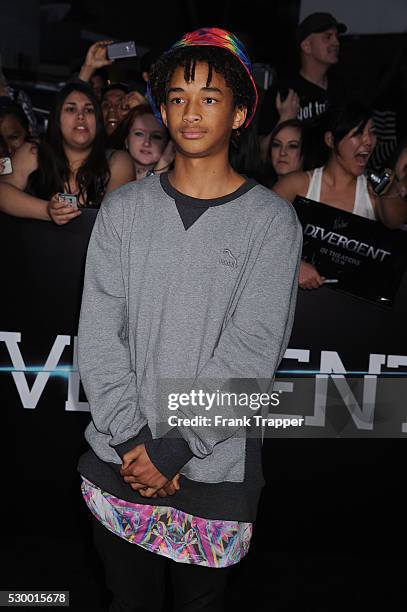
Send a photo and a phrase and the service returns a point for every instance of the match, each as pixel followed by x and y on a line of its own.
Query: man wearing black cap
pixel 305 94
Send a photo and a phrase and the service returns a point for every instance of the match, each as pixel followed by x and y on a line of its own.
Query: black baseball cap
pixel 119 85
pixel 318 22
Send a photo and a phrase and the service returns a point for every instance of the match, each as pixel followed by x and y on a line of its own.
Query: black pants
pixel 136 577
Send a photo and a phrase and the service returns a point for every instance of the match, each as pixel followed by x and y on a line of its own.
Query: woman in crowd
pixel 70 159
pixel 286 148
pixel 147 141
pixel 285 152
pixel 14 127
pixel 293 146
pixel 350 139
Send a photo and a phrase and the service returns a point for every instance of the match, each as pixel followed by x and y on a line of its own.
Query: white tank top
pixel 363 204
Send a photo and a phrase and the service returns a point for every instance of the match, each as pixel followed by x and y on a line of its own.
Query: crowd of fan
pixel 309 138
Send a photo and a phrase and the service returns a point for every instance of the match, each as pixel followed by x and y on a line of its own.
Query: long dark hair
pixel 341 119
pixel 53 167
pixel 14 109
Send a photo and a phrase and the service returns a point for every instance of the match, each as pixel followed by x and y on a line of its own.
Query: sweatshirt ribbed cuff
pixel 169 454
pixel 141 438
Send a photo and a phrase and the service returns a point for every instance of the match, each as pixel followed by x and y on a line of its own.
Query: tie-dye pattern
pixel 164 530
pixel 215 37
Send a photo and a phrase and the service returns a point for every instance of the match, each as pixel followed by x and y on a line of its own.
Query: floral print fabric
pixel 170 532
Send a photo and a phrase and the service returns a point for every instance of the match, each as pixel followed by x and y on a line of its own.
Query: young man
pixel 190 285
pixel 305 94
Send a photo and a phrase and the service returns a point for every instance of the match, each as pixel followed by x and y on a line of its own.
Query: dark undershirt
pixel 190 209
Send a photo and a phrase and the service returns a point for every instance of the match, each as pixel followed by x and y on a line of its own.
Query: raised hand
pixel 96 57
pixel 131 100
pixel 289 107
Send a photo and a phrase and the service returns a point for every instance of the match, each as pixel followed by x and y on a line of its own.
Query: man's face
pixel 323 46
pixel 200 118
pixel 112 109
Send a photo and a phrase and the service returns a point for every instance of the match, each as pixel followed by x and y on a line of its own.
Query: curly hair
pixel 219 60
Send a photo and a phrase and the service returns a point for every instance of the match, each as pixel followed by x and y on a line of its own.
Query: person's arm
pixel 13 200
pixel 121 170
pixel 133 99
pixel 309 277
pixel 96 57
pixel 250 347
pixel 286 109
pixel 391 206
pixel 104 359
pixel 291 185
pixel 254 340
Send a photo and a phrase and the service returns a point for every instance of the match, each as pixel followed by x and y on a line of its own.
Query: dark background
pixel 56 35
pixel 331 529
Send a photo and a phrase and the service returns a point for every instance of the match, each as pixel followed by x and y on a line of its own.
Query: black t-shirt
pixel 313 100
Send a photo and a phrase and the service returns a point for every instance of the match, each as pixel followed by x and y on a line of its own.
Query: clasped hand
pixel 141 474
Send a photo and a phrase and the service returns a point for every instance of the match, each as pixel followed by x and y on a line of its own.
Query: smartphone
pixel 121 50
pixel 68 199
pixel 6 164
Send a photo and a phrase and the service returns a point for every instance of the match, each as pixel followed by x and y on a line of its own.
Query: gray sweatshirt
pixel 169 307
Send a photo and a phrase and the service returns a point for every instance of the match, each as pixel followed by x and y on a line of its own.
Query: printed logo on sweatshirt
pixel 228 259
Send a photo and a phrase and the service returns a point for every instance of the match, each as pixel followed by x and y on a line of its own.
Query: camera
pixel 68 199
pixel 121 50
pixel 6 164
pixel 379 181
